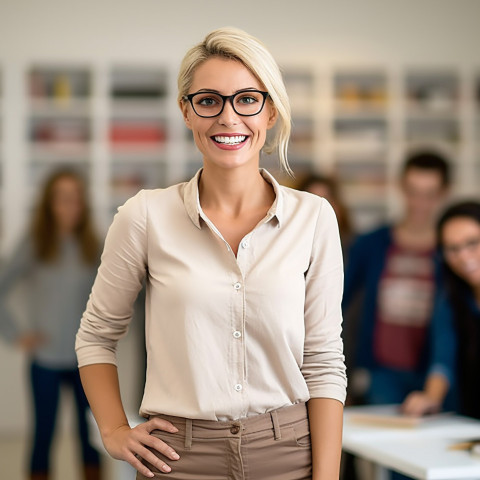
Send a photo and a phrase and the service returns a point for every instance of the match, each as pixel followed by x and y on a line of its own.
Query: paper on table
pixel 391 417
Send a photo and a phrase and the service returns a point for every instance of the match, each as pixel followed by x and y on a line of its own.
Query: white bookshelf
pixel 368 119
pixel 119 123
pixel 2 155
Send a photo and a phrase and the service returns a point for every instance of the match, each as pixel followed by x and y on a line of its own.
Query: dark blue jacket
pixel 366 262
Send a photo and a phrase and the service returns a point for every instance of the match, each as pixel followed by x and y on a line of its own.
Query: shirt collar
pixel 191 199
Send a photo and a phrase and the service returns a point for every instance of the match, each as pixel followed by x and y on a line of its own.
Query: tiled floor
pixel 66 465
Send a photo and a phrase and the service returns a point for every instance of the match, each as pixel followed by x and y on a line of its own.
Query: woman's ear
pixel 186 113
pixel 272 115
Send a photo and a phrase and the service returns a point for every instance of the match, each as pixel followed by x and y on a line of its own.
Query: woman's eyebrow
pixel 246 89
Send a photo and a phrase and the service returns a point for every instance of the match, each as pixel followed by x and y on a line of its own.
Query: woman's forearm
pixel 326 424
pixel 100 382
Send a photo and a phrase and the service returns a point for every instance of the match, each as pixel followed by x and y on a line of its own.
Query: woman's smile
pixel 230 141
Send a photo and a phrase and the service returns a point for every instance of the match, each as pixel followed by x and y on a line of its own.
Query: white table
pixel 420 452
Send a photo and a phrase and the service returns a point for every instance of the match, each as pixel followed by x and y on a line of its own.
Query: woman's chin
pixel 472 278
pixel 229 161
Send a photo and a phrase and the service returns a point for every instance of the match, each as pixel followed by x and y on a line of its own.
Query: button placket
pixel 237 326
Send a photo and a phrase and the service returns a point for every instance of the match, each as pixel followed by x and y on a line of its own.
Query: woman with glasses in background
pixel 245 374
pixel 58 262
pixel 456 316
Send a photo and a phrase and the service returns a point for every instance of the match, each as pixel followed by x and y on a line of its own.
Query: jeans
pixel 46 384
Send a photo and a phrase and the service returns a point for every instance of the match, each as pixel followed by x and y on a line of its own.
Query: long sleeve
pixel 443 338
pixel 323 364
pixel 119 279
pixel 16 267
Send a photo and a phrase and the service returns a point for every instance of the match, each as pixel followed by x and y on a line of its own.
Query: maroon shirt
pixel 404 306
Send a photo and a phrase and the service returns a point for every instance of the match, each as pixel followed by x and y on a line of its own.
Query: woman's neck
pixel 234 191
pixel 65 232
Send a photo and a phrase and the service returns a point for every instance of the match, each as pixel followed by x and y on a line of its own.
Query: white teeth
pixel 235 140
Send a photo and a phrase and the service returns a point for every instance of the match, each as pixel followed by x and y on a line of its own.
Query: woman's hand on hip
pixel 133 444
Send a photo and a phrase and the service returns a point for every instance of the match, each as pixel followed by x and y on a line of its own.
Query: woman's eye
pixel 207 101
pixel 247 100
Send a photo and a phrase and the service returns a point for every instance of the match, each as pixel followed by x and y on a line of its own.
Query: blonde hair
pixel 235 44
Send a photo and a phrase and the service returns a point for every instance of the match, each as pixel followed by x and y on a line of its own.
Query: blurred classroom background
pixel 93 85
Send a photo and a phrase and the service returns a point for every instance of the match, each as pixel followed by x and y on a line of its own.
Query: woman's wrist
pixel 108 432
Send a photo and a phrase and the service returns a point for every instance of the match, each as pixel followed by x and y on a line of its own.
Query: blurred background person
pixel 328 188
pixel 394 268
pixel 394 264
pixel 58 260
pixel 456 317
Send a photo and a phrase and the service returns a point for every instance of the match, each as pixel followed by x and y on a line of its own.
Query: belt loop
pixel 188 433
pixel 276 426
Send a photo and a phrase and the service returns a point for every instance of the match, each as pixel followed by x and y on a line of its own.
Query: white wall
pixel 443 31
pixel 375 32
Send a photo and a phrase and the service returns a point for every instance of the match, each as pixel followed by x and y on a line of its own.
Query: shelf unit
pixel 368 119
pixel 59 122
pixel 476 127
pixel 138 131
pixel 119 124
pixel 2 156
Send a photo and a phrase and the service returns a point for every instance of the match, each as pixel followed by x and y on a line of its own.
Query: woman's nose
pixel 228 117
pixel 464 255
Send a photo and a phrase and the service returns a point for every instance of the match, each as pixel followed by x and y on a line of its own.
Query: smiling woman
pixel 457 313
pixel 244 283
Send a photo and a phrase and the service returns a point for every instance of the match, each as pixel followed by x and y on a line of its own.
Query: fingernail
pixel 150 474
pixel 166 468
pixel 175 456
pixel 174 429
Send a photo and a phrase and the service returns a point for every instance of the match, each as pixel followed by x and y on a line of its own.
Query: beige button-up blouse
pixel 227 337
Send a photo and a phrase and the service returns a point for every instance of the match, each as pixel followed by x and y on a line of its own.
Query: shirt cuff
pixel 440 369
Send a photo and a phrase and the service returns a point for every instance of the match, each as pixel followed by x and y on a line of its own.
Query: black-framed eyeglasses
pixel 453 250
pixel 208 104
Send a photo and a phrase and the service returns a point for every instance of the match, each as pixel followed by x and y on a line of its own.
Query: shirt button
pixel 237 286
pixel 235 429
pixel 238 387
pixel 237 334
pixel 245 244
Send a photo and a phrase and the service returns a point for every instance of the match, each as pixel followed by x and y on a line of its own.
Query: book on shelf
pixel 137 133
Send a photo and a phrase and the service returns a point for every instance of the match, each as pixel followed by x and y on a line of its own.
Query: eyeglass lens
pixel 469 245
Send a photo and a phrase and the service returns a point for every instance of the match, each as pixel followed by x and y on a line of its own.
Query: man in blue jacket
pixel 395 268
